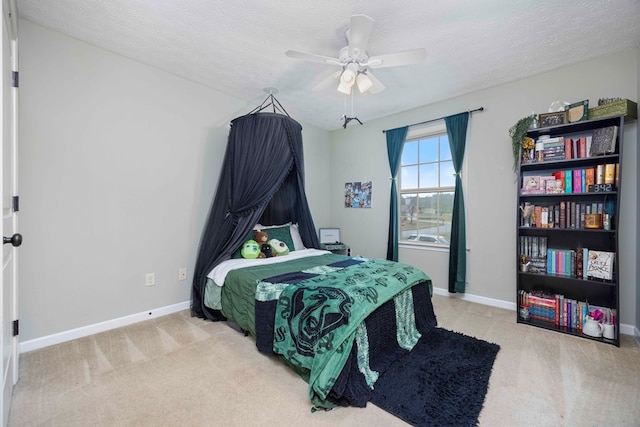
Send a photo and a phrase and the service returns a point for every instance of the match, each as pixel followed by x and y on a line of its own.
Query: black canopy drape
pixel 262 180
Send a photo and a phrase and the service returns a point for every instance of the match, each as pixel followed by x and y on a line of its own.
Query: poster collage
pixel 357 194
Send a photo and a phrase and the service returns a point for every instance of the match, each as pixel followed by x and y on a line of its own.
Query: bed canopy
pixel 262 181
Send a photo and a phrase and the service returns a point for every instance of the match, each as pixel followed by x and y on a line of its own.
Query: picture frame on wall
pixel 357 194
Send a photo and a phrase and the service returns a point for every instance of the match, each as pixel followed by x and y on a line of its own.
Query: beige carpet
pixel 182 371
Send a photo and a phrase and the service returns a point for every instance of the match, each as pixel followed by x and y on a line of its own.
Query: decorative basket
pixel 623 107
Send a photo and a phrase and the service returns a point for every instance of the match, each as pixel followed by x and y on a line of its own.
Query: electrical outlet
pixel 182 273
pixel 150 279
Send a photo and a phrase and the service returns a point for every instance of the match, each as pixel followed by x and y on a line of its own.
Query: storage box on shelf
pixel 624 107
pixel 568 216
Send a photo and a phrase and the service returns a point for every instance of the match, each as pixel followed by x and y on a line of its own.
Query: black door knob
pixel 15 240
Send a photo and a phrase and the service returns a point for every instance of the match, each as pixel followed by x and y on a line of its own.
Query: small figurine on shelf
pixel 527 213
pixel 527 149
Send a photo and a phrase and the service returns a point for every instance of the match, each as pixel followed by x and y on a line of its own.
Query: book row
pixel 568 214
pixel 561 311
pixel 601 141
pixel 581 263
pixel 603 177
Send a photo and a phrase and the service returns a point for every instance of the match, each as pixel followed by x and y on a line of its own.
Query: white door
pixel 8 227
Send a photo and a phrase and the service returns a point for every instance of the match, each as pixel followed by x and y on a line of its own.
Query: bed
pixel 338 321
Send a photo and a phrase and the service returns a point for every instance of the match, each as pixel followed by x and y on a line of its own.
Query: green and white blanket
pixel 313 318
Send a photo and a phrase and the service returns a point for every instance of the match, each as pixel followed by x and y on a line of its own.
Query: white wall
pixel 359 154
pixel 119 163
pixel 118 166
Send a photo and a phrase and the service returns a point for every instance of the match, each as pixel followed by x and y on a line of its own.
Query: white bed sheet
pixel 219 273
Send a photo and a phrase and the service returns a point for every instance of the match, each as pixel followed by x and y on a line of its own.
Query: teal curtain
pixel 395 142
pixel 457 132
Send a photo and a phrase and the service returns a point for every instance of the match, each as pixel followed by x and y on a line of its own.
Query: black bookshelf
pixel 568 237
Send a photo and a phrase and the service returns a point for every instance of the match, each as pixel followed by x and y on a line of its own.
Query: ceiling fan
pixel 355 61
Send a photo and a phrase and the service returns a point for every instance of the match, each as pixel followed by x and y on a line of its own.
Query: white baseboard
pixel 84 331
pixel 96 328
pixel 624 328
pixel 477 299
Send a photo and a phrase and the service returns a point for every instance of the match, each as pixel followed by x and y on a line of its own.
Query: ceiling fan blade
pixel 359 33
pixel 395 59
pixel 330 81
pixel 377 84
pixel 313 57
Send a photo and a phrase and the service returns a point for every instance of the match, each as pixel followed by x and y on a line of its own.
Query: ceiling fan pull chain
pixel 352 92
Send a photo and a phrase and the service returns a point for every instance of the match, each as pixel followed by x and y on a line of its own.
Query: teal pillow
pixel 237 253
pixel 281 233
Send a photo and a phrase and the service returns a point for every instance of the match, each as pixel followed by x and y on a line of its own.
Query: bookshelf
pixel 567 228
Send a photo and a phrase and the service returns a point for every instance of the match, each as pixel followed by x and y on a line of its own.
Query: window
pixel 427 185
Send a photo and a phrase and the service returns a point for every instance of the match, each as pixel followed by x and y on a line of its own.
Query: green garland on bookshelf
pixel 517 133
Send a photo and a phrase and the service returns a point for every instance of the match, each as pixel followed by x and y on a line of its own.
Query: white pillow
pixel 261 227
pixel 295 236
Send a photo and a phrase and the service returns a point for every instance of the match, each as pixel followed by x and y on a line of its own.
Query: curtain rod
pixel 435 120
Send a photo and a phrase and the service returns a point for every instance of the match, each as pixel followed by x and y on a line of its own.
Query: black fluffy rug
pixel 441 382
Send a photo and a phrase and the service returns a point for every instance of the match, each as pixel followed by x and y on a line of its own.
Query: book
pixel 600 264
pixel 609 173
pixel 590 177
pixel 600 174
pixel 568 179
pixel 579 265
pixel 552 140
pixel 577 181
pixel 568 148
pixel 563 214
pixel 559 176
pixel 531 185
pixel 604 141
pixel 582 147
pixel 553 186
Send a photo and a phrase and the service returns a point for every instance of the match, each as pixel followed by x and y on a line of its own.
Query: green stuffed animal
pixel 279 247
pixel 250 249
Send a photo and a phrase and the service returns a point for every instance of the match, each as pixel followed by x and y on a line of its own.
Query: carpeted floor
pixel 182 371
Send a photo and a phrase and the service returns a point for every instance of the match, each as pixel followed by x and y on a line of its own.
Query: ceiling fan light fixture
pixel 363 82
pixel 348 75
pixel 348 78
pixel 345 87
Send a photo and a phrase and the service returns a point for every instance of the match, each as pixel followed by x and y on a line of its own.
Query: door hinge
pixel 16 203
pixel 16 79
pixel 16 328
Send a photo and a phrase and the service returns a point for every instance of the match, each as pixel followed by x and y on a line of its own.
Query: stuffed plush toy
pixel 250 249
pixel 279 247
pixel 263 242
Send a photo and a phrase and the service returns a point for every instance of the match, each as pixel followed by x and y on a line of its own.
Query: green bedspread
pixel 316 308
pixel 318 319
pixel 238 293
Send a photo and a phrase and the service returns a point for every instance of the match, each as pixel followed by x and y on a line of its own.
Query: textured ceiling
pixel 237 47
